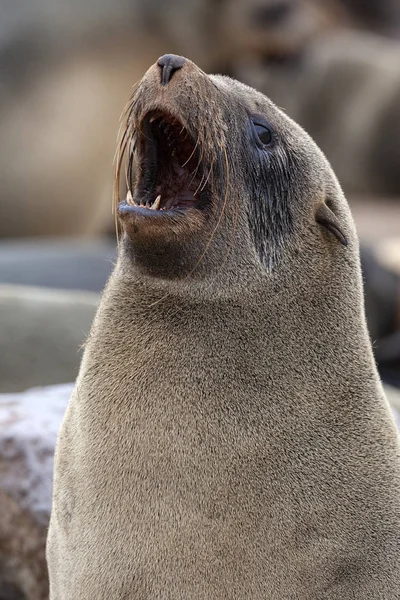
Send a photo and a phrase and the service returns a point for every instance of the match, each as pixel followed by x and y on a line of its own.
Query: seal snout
pixel 169 63
pixel 172 177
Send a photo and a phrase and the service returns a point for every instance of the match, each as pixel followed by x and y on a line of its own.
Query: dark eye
pixel 264 134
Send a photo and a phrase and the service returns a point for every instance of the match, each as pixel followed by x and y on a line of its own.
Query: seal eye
pixel 264 134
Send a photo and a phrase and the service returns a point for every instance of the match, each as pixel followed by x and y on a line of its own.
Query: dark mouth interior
pixel 170 169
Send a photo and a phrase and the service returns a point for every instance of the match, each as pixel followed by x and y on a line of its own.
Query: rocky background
pixel 66 71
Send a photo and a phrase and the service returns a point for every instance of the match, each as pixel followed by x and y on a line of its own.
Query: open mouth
pixel 170 169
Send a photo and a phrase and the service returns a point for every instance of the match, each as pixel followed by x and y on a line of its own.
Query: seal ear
pixel 325 217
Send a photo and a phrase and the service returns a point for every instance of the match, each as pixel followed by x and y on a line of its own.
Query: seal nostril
pixel 169 63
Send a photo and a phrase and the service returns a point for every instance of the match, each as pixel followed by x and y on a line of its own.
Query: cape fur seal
pixel 228 436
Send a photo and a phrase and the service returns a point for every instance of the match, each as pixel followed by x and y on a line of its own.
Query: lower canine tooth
pixel 157 203
pixel 129 198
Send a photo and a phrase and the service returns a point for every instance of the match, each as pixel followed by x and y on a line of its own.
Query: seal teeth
pixel 129 198
pixel 157 203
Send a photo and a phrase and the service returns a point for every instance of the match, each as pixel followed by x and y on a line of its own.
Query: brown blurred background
pixel 66 71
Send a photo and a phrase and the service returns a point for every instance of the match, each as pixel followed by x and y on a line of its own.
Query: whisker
pixel 203 185
pixel 197 168
pixel 220 215
pixel 194 150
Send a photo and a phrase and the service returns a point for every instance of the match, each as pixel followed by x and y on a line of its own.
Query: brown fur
pixel 228 436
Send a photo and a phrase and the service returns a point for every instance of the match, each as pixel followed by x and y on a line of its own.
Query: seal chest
pixel 228 436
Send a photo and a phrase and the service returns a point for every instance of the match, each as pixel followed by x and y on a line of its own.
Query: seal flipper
pixel 325 217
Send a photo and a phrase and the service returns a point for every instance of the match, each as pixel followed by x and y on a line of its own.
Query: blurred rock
pixel 376 218
pixel 393 395
pixel 382 297
pixel 58 263
pixel 41 335
pixel 29 423
pixel 388 252
pixel 382 304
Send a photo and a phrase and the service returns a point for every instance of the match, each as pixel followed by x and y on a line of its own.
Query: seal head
pixel 207 160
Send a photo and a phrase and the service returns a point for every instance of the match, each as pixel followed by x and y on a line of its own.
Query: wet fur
pixel 228 436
